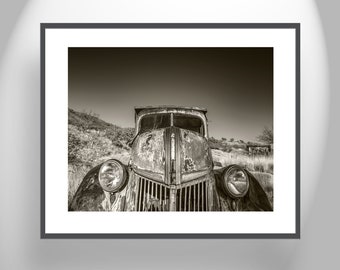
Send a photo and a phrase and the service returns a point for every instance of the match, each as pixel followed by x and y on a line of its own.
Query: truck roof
pixel 166 107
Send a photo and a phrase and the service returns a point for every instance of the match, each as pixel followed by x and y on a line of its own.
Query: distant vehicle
pixel 260 149
pixel 170 169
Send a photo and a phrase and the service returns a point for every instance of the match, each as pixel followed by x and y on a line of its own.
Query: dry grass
pixel 251 163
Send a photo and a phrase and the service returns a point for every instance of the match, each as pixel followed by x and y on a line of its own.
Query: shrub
pixel 266 136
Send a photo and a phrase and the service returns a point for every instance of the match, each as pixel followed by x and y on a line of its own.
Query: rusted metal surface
pixel 166 155
pixel 172 203
pixel 152 196
pixel 192 196
pixel 194 153
pixel 171 154
pixel 213 202
pixel 148 152
pixel 90 195
pixel 126 198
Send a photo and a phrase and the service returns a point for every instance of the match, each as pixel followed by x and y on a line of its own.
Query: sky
pixel 235 85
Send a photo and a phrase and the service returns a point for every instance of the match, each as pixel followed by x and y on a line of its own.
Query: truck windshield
pixel 155 121
pixel 163 120
pixel 189 122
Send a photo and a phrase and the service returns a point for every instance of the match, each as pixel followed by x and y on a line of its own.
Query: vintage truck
pixel 170 169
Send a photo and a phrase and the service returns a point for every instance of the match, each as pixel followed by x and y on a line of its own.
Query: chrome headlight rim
pixel 225 180
pixel 122 171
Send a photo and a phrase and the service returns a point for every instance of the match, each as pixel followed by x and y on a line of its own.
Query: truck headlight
pixel 235 181
pixel 112 175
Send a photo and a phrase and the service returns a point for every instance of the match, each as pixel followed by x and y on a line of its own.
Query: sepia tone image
pixel 170 129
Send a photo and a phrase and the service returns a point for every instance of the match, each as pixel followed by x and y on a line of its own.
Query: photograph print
pixel 170 129
pixel 167 130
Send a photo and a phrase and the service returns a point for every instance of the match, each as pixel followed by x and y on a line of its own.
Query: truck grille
pixel 153 196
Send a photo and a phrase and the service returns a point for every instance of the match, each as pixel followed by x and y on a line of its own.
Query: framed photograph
pixel 167 130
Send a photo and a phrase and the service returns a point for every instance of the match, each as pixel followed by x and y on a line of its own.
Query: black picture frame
pixel 295 26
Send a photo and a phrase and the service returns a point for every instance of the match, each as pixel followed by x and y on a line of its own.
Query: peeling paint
pixel 189 164
pixel 194 152
pixel 148 151
pixel 148 139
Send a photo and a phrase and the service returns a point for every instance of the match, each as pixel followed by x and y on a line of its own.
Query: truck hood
pixel 171 155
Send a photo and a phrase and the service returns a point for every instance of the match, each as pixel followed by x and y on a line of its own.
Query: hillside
pixel 90 139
